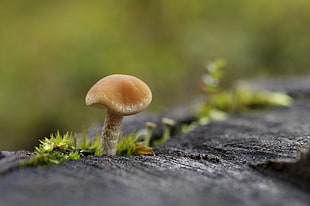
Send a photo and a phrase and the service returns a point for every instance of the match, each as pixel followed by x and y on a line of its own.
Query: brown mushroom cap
pixel 121 94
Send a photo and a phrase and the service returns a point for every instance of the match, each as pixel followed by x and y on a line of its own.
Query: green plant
pixel 218 102
pixel 237 99
pixel 85 144
pixel 137 143
pixel 60 148
pixel 133 145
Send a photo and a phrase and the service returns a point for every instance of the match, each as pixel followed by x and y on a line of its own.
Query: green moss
pixel 219 102
pixel 60 148
pixel 133 144
pixel 126 146
pixel 237 99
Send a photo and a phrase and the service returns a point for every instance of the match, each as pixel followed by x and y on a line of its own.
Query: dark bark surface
pixel 256 158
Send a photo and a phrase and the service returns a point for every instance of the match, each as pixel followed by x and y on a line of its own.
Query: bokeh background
pixel 52 52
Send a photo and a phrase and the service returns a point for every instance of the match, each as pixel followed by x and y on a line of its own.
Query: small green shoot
pixel 55 141
pixel 86 144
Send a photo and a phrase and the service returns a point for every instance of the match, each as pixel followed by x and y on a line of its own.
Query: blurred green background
pixel 52 52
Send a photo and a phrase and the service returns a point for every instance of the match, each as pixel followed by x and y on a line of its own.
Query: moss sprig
pixel 133 144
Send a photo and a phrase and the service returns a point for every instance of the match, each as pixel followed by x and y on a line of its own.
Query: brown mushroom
pixel 121 95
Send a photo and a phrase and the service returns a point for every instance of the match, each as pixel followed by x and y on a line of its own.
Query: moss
pixel 219 101
pixel 59 148
pixel 133 144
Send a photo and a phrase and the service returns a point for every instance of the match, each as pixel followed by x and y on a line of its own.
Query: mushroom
pixel 121 95
pixel 167 124
pixel 150 126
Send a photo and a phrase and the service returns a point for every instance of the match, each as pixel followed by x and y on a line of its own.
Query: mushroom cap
pixel 120 94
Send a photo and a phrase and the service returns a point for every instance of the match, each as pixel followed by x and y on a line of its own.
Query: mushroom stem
pixel 111 132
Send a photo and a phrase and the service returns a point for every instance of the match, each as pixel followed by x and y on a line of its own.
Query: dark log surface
pixel 248 159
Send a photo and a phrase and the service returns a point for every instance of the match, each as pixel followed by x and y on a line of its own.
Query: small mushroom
pixel 167 124
pixel 121 95
pixel 150 126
